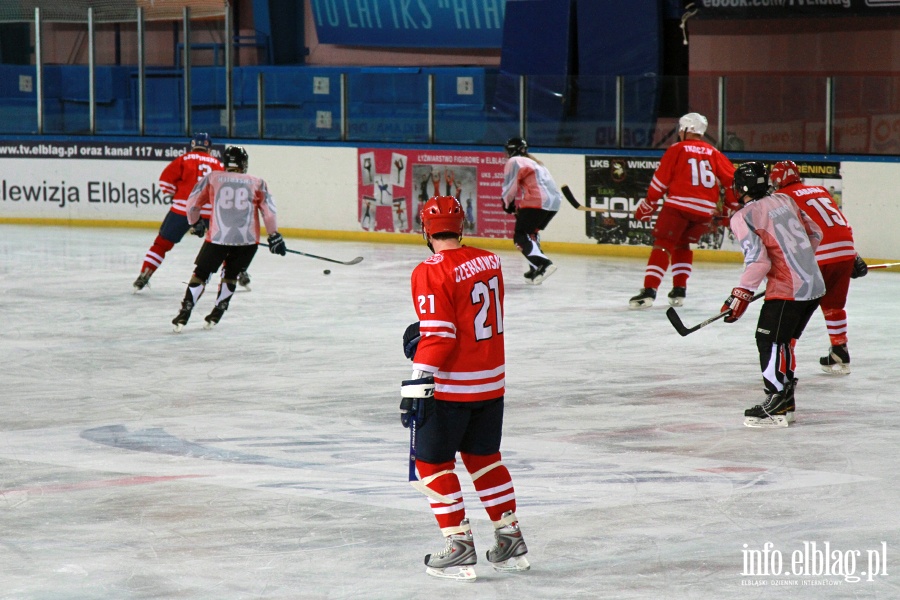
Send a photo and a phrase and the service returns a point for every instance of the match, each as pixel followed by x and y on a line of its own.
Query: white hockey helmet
pixel 693 123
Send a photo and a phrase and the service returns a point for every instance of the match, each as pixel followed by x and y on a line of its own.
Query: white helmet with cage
pixel 693 123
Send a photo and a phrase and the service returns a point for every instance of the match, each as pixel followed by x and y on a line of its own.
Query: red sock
pixel 682 261
pixel 492 482
pixel 157 253
pixel 656 268
pixel 836 323
pixel 447 484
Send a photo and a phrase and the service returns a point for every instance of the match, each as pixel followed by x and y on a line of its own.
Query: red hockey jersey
pixel 458 297
pixel 689 175
pixel 182 174
pixel 815 201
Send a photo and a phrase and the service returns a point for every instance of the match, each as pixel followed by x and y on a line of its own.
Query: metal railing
pixel 472 106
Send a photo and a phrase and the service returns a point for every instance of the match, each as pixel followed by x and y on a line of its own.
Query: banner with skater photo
pixel 395 184
pixel 615 185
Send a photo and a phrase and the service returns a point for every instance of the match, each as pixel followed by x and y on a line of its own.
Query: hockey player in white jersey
pixel 779 243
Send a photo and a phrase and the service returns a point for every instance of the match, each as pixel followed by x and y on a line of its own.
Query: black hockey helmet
pixel 236 159
pixel 751 179
pixel 516 146
pixel 201 141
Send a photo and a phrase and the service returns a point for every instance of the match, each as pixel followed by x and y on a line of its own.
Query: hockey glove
pixel 411 339
pixel 412 393
pixel 644 210
pixel 200 227
pixel 737 303
pixel 509 209
pixel 860 268
pixel 276 244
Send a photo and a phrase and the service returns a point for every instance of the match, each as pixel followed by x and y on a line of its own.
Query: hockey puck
pixel 327 272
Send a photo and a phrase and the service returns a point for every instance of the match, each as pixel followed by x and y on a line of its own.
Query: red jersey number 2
pixel 482 295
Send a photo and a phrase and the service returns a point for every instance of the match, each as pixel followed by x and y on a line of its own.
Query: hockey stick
pixel 421 486
pixel 885 266
pixel 675 320
pixel 356 260
pixel 574 202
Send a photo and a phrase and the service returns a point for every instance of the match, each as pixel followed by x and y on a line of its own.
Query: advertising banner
pixel 781 9
pixel 86 180
pixel 616 185
pixel 407 24
pixel 395 184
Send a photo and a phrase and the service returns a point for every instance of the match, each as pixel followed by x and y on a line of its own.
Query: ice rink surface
pixel 265 458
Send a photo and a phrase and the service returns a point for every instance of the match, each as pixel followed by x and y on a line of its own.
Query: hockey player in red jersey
pixel 178 180
pixel 234 202
pixel 456 392
pixel 836 256
pixel 689 176
pixel 779 243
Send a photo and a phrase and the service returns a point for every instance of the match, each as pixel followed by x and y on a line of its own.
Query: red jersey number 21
pixel 482 294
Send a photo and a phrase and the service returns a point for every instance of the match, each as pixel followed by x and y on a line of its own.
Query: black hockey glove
pixel 413 393
pixel 411 339
pixel 200 227
pixel 276 244
pixel 509 209
pixel 860 268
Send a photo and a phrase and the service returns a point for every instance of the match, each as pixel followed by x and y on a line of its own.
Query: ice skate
pixel 774 412
pixel 789 399
pixel 142 281
pixel 243 279
pixel 542 273
pixel 456 560
pixel 529 275
pixel 183 315
pixel 508 553
pixel 676 296
pixel 213 318
pixel 644 299
pixel 837 362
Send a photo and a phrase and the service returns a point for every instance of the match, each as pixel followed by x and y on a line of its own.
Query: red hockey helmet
pixel 442 214
pixel 785 173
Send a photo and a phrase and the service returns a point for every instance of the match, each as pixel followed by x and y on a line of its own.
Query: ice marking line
pixel 102 483
pixel 734 470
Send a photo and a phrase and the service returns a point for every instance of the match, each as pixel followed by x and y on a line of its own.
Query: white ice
pixel 265 458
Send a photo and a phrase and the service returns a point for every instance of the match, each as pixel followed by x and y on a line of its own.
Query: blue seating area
pixel 299 103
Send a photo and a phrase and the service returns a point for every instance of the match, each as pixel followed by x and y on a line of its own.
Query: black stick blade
pixel 676 322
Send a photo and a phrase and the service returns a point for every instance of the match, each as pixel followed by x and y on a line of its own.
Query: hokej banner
pixel 410 23
pixel 779 9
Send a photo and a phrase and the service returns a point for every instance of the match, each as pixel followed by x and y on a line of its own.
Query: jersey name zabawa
pixel 815 201
pixel 458 297
pixel 182 174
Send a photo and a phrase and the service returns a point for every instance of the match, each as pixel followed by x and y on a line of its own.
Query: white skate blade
pixel 676 302
pixel 466 573
pixel 513 565
pixel 836 369
pixel 550 271
pixel 178 328
pixel 769 422
pixel 209 325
